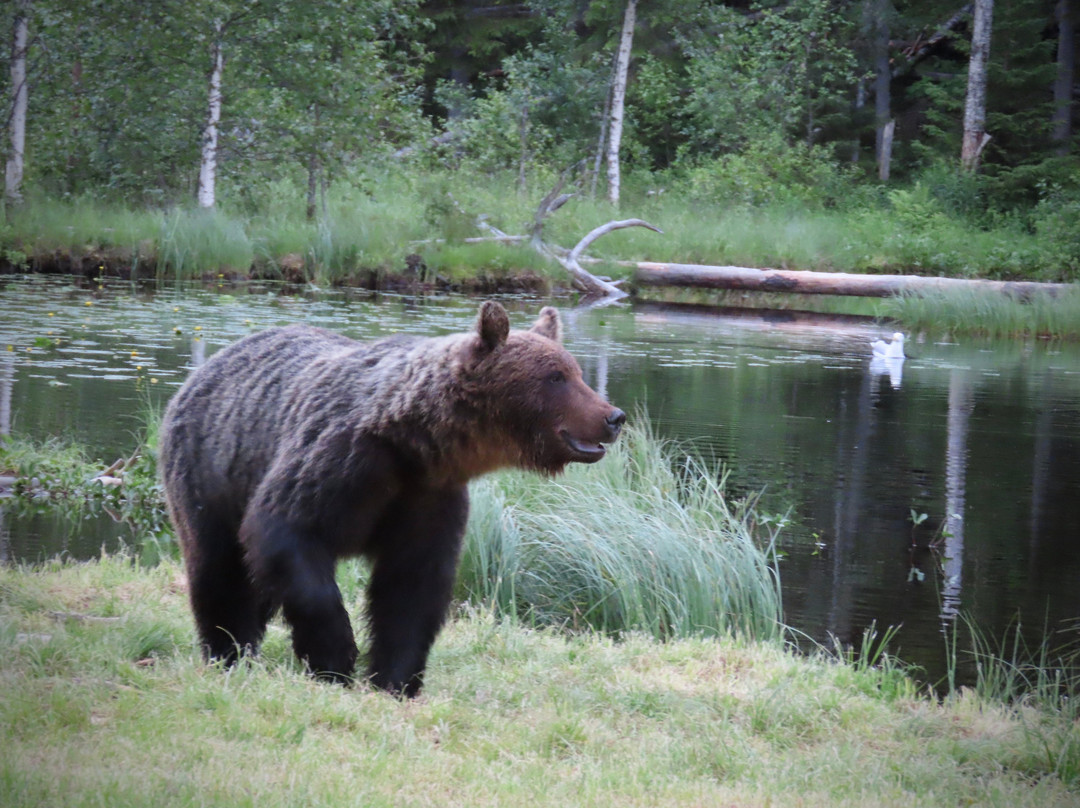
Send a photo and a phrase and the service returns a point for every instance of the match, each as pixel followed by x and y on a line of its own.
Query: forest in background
pixel 831 114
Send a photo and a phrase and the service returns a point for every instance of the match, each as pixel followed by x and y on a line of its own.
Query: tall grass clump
pixel 192 242
pixel 644 541
pixel 988 313
pixel 1046 677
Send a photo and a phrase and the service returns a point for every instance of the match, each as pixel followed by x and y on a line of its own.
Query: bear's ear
pixel 548 324
pixel 492 324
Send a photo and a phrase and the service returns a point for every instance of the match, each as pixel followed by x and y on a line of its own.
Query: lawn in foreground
pixel 104 701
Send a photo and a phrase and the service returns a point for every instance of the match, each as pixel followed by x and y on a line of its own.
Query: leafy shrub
pixel 916 209
pixel 958 193
pixel 1057 223
pixel 770 172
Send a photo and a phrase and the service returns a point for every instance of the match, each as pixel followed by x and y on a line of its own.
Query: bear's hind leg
pixel 230 614
pixel 411 586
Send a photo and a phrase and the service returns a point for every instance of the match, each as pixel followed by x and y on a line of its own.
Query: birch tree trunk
pixel 13 173
pixel 975 137
pixel 208 165
pixel 618 99
pixel 1063 83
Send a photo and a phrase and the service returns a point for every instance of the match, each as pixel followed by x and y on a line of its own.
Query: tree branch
pixel 596 289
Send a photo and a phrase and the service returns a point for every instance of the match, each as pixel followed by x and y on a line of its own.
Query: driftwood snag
pixel 596 289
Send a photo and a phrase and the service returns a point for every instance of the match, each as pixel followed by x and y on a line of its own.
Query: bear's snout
pixel 615 421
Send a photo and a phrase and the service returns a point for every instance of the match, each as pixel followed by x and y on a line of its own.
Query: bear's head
pixel 533 392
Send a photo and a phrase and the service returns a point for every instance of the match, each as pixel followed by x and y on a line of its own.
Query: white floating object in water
pixel 889 350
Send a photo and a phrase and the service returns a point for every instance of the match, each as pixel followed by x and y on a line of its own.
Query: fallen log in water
pixel 820 283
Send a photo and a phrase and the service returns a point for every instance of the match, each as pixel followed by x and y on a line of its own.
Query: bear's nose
pixel 615 421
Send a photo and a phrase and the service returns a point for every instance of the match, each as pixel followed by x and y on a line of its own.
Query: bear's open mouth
pixel 584 452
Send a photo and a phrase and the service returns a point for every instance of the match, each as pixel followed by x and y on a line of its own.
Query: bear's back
pixel 222 429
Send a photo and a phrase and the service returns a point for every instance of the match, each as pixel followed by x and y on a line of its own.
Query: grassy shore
pixel 405 222
pixel 988 314
pixel 581 667
pixel 105 702
pixel 408 232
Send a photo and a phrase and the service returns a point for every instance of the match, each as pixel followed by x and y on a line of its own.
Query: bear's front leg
pixel 415 556
pixel 297 570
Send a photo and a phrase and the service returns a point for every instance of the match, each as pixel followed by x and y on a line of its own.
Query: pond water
pixel 982 437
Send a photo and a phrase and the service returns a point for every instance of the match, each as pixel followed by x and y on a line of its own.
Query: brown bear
pixel 296 446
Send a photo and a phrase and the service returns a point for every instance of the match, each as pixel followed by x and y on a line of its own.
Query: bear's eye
pixel 556 377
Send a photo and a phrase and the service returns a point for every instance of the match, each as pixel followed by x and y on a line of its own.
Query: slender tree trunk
pixel 975 137
pixel 860 102
pixel 618 99
pixel 313 168
pixel 312 184
pixel 208 166
pixel 13 175
pixel 523 137
pixel 604 118
pixel 883 124
pixel 1063 83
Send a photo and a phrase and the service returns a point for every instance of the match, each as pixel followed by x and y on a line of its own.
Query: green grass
pixel 988 313
pixel 196 241
pixel 372 223
pixel 617 642
pixel 645 541
pixel 105 702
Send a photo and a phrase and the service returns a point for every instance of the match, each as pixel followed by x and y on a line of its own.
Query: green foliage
pixel 60 474
pixel 1057 223
pixel 543 110
pixel 299 96
pixel 777 74
pixel 322 91
pixel 915 209
pixel 768 172
pixel 659 121
pixel 119 108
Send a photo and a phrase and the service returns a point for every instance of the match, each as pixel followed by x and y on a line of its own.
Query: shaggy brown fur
pixel 296 446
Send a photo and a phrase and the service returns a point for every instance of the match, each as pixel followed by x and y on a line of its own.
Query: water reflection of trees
pixel 984 441
pixel 7 382
pixel 961 403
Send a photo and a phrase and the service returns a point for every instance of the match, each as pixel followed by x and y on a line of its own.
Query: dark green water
pixel 982 437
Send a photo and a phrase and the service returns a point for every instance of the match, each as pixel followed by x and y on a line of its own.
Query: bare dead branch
pixel 603 230
pixel 594 287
